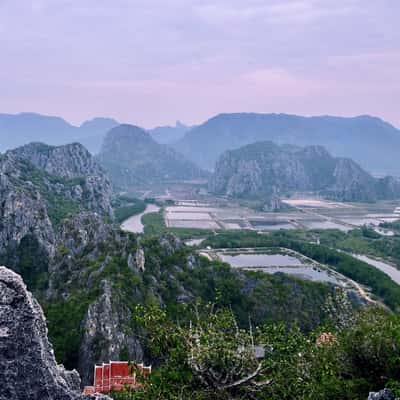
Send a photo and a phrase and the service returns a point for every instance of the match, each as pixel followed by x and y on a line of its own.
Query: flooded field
pixel 272 223
pixel 272 227
pixel 362 221
pixel 194 207
pixel 260 260
pixel 231 225
pixel 188 216
pixel 315 203
pixel 193 224
pixel 306 272
pixel 325 225
pixel 271 263
pixel 189 208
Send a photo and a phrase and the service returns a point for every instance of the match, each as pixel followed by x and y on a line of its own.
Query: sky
pixel 152 62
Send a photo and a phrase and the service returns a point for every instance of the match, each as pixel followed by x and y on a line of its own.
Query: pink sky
pixel 151 62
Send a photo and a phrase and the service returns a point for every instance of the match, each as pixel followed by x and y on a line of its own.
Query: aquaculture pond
pixel 274 263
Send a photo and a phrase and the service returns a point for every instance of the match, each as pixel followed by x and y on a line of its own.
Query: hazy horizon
pixel 154 62
pixel 79 123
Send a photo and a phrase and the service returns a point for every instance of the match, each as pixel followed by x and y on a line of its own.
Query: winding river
pixel 388 269
pixel 134 223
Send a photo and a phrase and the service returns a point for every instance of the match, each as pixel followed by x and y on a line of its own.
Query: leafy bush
pixel 212 358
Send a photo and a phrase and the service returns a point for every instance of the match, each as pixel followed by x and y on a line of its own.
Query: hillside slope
pixel 371 142
pixel 131 156
pixel 266 169
pixel 20 129
pixel 41 185
pixel 169 134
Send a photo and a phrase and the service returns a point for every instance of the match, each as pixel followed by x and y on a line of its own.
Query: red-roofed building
pixel 115 376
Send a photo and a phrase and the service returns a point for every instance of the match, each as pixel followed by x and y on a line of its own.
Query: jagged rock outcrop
pixel 131 156
pixel 81 229
pixel 369 141
pixel 266 170
pixel 39 186
pixel 107 333
pixel 273 203
pixel 385 394
pixel 170 243
pixel 72 162
pixel 23 208
pixel 28 368
pixel 140 259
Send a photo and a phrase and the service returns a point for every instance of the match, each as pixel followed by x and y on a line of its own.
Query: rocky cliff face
pixel 108 334
pixel 27 364
pixel 265 169
pixel 364 139
pixel 23 208
pixel 73 163
pixel 88 278
pixel 40 185
pixel 131 156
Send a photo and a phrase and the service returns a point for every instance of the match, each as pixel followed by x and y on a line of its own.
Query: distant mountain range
pixel 169 134
pixel 131 157
pixel 371 142
pixel 265 170
pixel 20 129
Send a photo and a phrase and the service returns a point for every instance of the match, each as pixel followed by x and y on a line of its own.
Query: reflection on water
pixel 325 225
pixel 260 260
pixel 193 224
pixel 393 272
pixel 273 263
pixel 306 272
pixel 134 224
pixel 273 227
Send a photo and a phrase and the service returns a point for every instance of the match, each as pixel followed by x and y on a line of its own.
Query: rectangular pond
pixel 193 224
pixel 188 216
pixel 275 263
pixel 325 225
pixel 272 227
pixel 260 260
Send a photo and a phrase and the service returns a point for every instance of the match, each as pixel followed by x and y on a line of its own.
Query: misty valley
pixel 127 249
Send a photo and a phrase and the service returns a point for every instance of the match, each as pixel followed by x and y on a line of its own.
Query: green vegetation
pixel 32 263
pixel 154 224
pixel 380 284
pixel 392 225
pixel 213 358
pixel 361 241
pixel 59 206
pixel 175 278
pixel 64 318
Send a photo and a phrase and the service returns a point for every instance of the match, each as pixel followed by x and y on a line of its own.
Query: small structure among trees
pixel 116 376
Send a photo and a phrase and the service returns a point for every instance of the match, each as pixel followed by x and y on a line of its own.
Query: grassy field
pixel 154 224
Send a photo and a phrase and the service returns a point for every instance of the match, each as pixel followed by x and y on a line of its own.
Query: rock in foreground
pixel 385 394
pixel 28 369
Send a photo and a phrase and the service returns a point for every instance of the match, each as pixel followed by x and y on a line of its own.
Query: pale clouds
pixel 154 61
